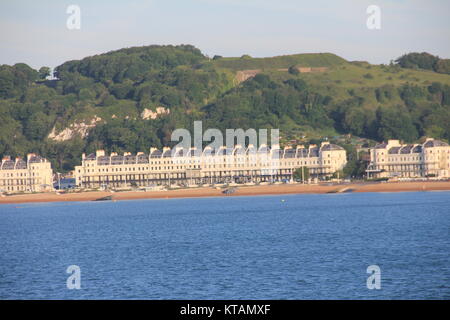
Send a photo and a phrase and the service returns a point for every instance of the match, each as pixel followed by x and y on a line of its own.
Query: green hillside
pixel 133 98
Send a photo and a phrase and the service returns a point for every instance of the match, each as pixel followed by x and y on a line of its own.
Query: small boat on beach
pixel 229 191
pixel 107 198
pixel 343 190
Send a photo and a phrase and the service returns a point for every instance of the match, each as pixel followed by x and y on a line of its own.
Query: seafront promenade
pixel 239 191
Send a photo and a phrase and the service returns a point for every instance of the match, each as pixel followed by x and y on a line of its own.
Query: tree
pixel 442 66
pixel 425 61
pixel 6 82
pixel 339 174
pixel 355 121
pixel 301 174
pixel 64 155
pixel 293 70
pixel 422 60
pixel 356 165
pixel 44 72
pixel 38 126
pixel 395 123
pixel 354 169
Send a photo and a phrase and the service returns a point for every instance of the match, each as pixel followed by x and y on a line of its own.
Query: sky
pixel 36 33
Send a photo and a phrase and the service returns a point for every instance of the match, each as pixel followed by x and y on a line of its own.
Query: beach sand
pixel 240 191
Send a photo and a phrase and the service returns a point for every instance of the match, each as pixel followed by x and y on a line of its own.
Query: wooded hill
pixel 132 99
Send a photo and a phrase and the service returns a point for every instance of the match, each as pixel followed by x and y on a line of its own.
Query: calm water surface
pixel 271 247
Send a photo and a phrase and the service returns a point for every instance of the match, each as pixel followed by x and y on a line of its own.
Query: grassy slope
pixel 341 77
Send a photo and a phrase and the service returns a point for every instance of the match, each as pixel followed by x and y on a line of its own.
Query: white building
pixel 31 175
pixel 238 164
pixel 393 159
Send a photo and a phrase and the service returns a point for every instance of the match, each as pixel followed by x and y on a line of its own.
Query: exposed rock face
pixel 74 129
pixel 149 114
pixel 243 75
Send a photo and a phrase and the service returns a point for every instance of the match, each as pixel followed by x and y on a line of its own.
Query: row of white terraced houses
pixel 225 165
pixel 391 159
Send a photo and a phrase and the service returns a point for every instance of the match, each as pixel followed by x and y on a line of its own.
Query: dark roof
pixel 142 158
pixel 130 159
pixel 103 160
pixel 381 145
pixel 302 153
pixel 435 143
pixel 417 149
pixel 407 149
pixel 91 156
pixel 156 154
pixel 290 153
pixel 313 152
pixel 394 150
pixel 36 159
pixel 117 159
pixel 8 165
pixel 21 164
pixel 276 153
pixel 179 152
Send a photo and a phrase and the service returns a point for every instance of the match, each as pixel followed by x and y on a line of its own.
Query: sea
pixel 328 246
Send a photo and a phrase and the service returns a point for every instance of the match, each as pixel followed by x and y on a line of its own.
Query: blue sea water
pixel 265 247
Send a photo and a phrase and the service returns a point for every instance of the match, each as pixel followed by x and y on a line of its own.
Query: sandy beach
pixel 240 191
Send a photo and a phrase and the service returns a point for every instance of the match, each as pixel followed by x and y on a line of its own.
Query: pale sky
pixel 35 32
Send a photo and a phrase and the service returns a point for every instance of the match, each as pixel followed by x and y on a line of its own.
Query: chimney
pixel 394 143
pixel 100 153
pixel 30 155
